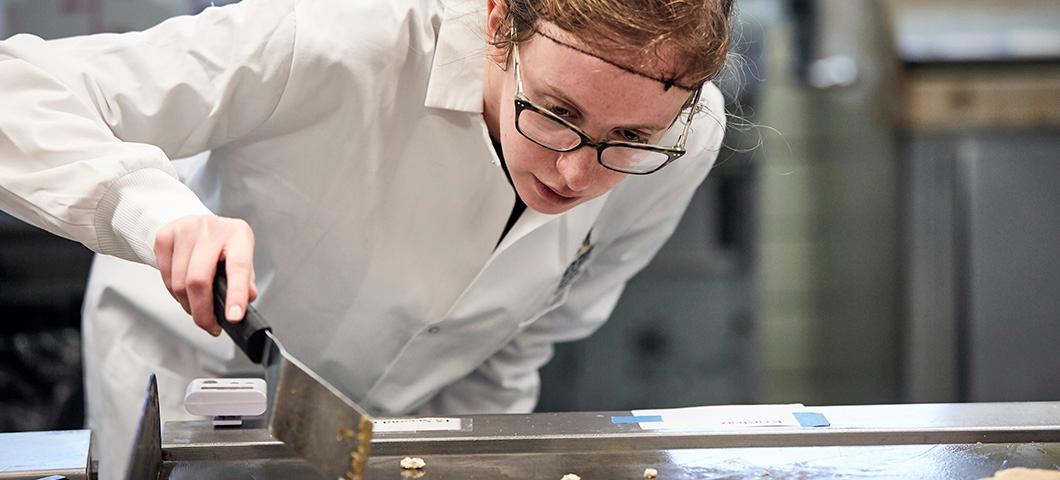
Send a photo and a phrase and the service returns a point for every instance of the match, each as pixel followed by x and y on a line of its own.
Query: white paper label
pixel 415 424
pixel 721 417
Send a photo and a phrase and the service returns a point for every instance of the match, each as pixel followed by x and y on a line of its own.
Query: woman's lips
pixel 553 196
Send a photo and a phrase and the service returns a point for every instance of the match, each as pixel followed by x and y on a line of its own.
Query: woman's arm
pixel 88 124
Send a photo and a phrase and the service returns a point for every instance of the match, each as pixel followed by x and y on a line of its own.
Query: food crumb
pixel 765 474
pixel 571 476
pixel 650 473
pixel 413 463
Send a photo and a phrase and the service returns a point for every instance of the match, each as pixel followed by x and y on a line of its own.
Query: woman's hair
pixel 696 31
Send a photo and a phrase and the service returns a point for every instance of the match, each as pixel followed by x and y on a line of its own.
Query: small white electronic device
pixel 227 400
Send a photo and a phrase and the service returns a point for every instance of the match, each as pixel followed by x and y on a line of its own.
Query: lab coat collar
pixel 456 81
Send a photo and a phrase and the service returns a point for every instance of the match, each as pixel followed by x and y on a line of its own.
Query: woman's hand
pixel 188 250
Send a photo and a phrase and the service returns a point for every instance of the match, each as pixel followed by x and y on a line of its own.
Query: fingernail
pixel 235 312
pixel 216 331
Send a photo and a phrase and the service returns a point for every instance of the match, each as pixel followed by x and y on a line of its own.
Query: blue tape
pixel 641 419
pixel 811 419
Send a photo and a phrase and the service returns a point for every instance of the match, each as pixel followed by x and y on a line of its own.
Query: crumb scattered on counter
pixel 650 474
pixel 571 476
pixel 413 463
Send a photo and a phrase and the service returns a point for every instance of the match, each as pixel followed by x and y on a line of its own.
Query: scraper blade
pixel 324 427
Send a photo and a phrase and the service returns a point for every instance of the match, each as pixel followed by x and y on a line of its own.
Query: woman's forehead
pixel 593 84
pixel 658 64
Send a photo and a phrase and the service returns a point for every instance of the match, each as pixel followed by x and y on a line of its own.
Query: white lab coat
pixel 350 136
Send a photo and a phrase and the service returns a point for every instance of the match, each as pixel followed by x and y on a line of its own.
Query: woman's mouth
pixel 556 197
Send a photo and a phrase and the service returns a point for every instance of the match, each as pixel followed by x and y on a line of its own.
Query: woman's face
pixel 605 101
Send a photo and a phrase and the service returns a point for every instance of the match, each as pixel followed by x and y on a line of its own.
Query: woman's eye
pixel 631 136
pixel 562 112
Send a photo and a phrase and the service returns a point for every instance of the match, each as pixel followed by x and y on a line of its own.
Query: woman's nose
pixel 578 168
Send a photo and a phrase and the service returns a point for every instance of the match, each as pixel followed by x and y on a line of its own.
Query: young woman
pixel 423 196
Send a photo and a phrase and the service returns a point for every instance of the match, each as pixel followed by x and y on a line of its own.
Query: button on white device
pixel 226 399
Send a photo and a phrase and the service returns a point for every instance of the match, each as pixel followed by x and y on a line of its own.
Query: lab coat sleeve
pixel 88 124
pixel 508 382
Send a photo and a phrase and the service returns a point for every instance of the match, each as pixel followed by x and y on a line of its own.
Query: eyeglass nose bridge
pixel 583 142
pixel 597 147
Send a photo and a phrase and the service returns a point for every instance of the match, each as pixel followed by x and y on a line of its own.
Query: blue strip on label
pixel 641 419
pixel 811 419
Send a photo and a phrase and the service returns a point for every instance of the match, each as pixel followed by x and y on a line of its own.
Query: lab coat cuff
pixel 135 207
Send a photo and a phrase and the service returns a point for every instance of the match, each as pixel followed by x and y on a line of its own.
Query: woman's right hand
pixel 188 251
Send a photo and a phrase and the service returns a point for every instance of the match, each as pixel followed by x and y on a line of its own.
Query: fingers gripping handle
pixel 249 334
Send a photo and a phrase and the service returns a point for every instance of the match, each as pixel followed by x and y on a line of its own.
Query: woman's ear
pixel 496 12
pixel 497 29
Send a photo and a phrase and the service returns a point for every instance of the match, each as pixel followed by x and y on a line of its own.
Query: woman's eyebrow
pixel 555 93
pixel 559 95
pixel 649 129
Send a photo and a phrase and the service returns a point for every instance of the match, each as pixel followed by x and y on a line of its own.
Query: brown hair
pixel 697 31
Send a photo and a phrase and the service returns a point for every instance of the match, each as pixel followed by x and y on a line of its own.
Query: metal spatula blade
pixel 327 429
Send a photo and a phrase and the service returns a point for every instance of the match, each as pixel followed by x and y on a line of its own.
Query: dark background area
pixel 42 281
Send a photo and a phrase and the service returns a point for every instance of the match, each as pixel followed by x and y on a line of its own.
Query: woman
pixel 417 193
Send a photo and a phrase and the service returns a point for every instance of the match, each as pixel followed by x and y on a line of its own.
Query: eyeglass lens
pixel 546 131
pixel 553 135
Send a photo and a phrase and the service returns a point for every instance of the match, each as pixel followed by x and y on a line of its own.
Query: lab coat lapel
pixel 571 230
pixel 577 227
pixel 529 221
pixel 575 224
pixel 456 79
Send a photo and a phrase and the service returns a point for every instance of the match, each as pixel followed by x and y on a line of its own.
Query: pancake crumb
pixel 413 463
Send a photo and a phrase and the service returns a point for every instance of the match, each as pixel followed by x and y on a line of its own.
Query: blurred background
pixel 881 227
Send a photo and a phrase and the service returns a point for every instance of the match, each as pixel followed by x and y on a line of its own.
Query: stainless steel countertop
pixel 886 441
pixel 965 461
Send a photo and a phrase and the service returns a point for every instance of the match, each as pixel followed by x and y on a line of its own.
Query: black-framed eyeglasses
pixel 549 130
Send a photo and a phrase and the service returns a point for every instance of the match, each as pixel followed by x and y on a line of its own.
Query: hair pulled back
pixel 695 31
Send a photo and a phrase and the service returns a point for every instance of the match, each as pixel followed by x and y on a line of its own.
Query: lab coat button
pixel 434 329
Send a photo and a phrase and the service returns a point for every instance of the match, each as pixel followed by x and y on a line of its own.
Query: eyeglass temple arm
pixel 688 121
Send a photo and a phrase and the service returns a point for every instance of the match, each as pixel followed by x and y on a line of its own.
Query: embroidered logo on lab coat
pixel 573 270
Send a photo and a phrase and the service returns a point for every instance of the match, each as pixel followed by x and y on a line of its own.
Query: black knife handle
pixel 249 334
